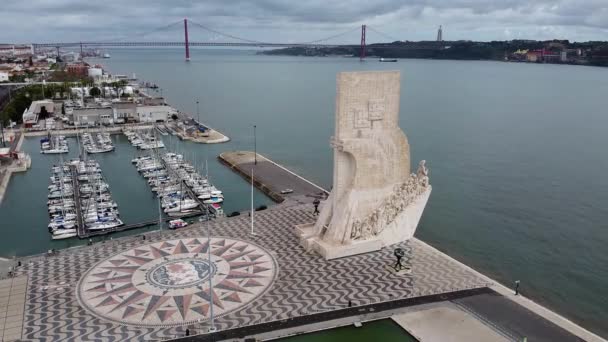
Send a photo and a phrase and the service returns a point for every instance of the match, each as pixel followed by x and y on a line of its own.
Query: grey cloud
pixel 272 20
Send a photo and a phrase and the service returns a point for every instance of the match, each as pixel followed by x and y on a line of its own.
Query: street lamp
pixel 198 116
pixel 255 148
pixel 211 324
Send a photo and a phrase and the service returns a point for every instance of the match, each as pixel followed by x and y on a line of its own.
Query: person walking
pixel 316 203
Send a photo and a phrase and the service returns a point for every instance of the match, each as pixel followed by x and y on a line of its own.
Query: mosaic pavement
pixel 154 289
pixel 167 283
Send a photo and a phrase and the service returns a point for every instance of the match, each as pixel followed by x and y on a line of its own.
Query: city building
pixel 551 56
pixel 534 56
pixel 30 115
pixel 3 76
pixel 154 113
pixel 92 116
pixel 153 101
pixel 125 111
pixel 95 72
pixel 77 69
pixel 440 34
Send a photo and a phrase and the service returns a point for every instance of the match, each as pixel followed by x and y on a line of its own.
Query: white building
pixel 155 113
pixel 92 116
pixel 30 115
pixel 95 72
pixel 3 76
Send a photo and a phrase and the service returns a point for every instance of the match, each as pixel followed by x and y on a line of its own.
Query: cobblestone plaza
pixel 156 288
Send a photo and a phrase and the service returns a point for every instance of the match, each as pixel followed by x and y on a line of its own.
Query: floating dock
pixel 80 229
pixel 88 234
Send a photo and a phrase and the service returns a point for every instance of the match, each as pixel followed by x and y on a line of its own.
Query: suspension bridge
pixel 230 40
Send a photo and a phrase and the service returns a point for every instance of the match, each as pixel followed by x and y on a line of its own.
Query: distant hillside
pixel 590 52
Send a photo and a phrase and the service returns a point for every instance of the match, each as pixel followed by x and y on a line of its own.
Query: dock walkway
pixel 81 230
pixel 272 178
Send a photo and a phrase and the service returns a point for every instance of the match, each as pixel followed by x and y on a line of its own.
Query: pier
pixel 271 178
pixel 188 129
pixel 143 224
pixel 202 206
pixel 80 228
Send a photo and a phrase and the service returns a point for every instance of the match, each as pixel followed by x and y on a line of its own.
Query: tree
pixel 95 92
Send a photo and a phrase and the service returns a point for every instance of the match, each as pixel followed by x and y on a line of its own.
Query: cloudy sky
pixel 301 20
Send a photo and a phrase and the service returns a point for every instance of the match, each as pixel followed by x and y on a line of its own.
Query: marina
pixel 53 144
pixel 97 143
pixel 138 205
pixel 144 139
pixel 79 201
pixel 180 189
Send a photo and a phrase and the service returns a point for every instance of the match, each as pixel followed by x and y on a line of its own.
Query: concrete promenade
pixel 74 131
pixel 95 292
pixel 7 171
pixel 528 318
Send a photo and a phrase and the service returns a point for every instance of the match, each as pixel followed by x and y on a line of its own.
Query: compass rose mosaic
pixel 167 283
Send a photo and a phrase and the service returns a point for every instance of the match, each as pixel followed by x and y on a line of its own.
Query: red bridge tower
pixel 186 38
pixel 362 56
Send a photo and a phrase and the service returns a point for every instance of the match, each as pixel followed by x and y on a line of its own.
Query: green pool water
pixel 385 330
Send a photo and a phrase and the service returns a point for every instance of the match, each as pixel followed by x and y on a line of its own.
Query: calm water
pixel 516 153
pixel 370 331
pixel 24 213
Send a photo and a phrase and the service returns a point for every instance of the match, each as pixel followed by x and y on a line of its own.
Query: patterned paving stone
pixel 130 289
pixel 167 283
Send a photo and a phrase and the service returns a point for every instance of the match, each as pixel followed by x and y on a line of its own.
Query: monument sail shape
pixel 375 201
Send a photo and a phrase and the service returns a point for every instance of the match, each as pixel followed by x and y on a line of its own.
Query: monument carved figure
pixel 375 200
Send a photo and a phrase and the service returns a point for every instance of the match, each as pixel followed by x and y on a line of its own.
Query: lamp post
pixel 252 233
pixel 198 116
pixel 255 148
pixel 2 129
pixel 211 323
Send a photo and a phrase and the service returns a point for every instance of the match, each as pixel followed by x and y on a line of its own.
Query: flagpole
pixel 252 201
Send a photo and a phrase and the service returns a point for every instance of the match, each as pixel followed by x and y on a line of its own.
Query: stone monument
pixel 375 200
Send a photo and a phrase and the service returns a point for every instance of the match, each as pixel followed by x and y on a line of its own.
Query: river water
pixel 516 154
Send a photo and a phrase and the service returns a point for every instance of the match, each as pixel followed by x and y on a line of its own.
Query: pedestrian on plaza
pixel 517 287
pixel 187 332
pixel 316 203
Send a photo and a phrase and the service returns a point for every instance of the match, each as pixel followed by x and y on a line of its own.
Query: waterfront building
pixel 154 113
pixel 95 72
pixel 92 116
pixel 77 69
pixel 30 115
pixel 125 111
pixel 534 56
pixel 153 101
